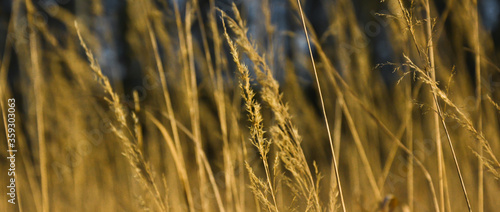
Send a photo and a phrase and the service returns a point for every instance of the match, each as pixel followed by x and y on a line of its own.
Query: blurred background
pixel 109 21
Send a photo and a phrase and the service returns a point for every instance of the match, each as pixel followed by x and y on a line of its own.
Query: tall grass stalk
pixel 334 157
pixel 479 96
pixel 437 131
pixel 180 165
pixel 38 87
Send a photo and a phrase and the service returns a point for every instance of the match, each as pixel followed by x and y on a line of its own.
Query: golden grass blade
pixel 37 88
pixel 323 108
pixel 479 96
pixel 437 135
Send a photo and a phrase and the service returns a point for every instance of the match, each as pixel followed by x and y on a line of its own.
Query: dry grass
pixel 209 124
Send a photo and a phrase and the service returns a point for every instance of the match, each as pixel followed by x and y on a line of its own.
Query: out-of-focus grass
pixel 209 125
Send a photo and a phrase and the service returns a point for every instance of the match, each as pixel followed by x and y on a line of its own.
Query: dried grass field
pixel 268 105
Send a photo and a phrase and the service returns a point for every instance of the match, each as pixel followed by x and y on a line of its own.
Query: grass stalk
pixel 439 115
pixel 437 135
pixel 323 108
pixel 181 167
pixel 479 124
pixel 38 91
